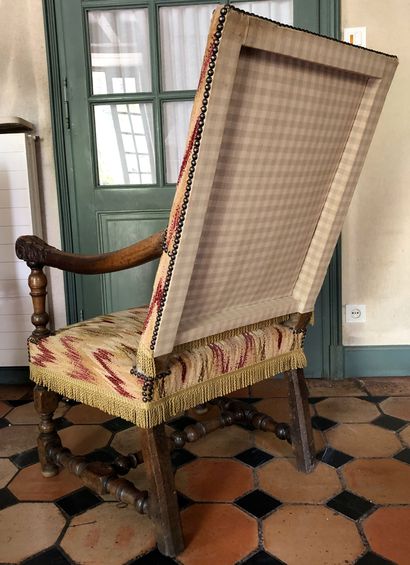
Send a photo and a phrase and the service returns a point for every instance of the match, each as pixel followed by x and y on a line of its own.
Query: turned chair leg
pixel 45 403
pixel 162 502
pixel 300 424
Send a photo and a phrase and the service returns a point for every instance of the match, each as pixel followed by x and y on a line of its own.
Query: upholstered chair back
pixel 280 127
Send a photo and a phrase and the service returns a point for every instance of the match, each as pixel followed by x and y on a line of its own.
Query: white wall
pixel 376 236
pixel 24 93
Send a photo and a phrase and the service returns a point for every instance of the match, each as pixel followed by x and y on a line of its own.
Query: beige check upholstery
pixel 289 121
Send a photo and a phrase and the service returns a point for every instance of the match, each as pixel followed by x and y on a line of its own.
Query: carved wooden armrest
pixel 35 251
pixel 38 254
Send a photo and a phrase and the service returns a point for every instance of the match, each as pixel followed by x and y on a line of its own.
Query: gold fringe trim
pixel 150 414
pixel 145 361
pixel 229 333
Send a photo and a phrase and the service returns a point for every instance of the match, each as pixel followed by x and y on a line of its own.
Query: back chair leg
pixel 45 403
pixel 162 502
pixel 300 423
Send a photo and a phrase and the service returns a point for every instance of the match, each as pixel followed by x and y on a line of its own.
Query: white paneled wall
pixel 18 206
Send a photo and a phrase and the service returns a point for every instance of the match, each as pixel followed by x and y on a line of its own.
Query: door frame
pixel 322 16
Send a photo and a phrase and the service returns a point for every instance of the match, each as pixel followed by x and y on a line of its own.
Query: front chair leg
pixel 45 403
pixel 162 502
pixel 300 425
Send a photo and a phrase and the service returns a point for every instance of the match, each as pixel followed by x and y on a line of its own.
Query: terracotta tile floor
pixel 241 498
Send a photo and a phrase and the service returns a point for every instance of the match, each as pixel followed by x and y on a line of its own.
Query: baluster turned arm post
pixel 37 281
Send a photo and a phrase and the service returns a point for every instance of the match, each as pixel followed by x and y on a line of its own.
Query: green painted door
pixel 128 72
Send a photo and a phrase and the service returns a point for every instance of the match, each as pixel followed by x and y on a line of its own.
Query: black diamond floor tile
pixel 152 558
pixel 79 501
pixel 322 424
pixel 106 455
pixel 249 400
pixel 254 457
pixel 389 422
pixel 334 457
pixel 316 399
pixel 180 457
pixel 61 423
pixel 258 503
pixel 25 458
pixel 371 558
pixel 4 423
pixel 181 423
pixel 183 501
pixel 262 558
pixel 52 556
pixel 20 401
pixel 117 425
pixel 6 498
pixel 404 455
pixel 374 399
pixel 350 505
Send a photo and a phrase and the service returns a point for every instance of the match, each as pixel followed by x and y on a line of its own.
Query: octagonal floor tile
pixel 108 530
pixel 387 386
pixel 15 392
pixel 26 413
pixel 225 442
pixel 270 388
pixel 277 408
pixel 347 410
pixel 364 440
pixel 383 481
pixel 270 443
pixel 4 408
pixel 7 472
pixel 28 528
pixel 218 534
pixel 83 439
pixel 311 535
pixel 387 531
pixel 30 484
pixel 127 441
pixel 283 481
pixel 398 406
pixel 83 414
pixel 220 480
pixel 405 435
pixel 14 439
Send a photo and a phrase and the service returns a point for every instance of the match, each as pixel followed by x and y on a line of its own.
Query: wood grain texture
pixel 34 250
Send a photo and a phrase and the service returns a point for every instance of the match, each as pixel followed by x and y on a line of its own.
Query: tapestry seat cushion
pixel 93 361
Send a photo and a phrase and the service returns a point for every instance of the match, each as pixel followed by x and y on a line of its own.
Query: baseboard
pixel 14 375
pixel 377 361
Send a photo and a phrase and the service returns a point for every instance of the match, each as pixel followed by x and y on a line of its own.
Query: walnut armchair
pixel 280 127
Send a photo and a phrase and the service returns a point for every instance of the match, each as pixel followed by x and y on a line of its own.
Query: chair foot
pixel 301 426
pixel 162 503
pixel 45 403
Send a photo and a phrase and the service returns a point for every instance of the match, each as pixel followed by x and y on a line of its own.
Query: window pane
pixel 125 144
pixel 120 55
pixel 279 10
pixel 183 31
pixel 176 121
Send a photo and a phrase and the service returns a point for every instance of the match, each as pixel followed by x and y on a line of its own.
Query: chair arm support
pixel 35 251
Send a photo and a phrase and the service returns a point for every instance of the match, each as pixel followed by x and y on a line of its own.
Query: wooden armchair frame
pixel 248 43
pixel 161 501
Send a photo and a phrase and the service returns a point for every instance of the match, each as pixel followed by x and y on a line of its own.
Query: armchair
pixel 280 127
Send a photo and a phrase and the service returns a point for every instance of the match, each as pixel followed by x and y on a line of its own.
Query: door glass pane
pixel 183 32
pixel 176 120
pixel 119 47
pixel 279 10
pixel 125 143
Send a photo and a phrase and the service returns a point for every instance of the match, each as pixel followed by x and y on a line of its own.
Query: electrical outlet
pixel 355 35
pixel 355 313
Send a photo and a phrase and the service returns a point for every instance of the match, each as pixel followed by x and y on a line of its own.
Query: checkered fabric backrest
pixel 281 124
